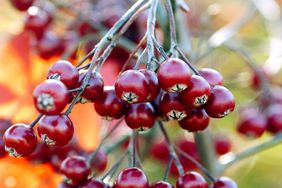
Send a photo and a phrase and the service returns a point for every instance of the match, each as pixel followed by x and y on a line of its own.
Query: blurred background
pixel 24 61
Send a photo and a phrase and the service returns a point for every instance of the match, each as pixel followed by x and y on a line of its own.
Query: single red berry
pixel 222 144
pixel 50 45
pixel 197 92
pixel 65 72
pixel 160 151
pixel 37 21
pixel 20 140
pixel 191 180
pixel 274 118
pixel 140 115
pixel 94 89
pixel 212 76
pixel 153 83
pixel 109 106
pixel 189 147
pixel 92 183
pixel 55 130
pixel 132 86
pixel 4 125
pixel 174 75
pixel 85 28
pixel 171 106
pixel 224 182
pixel 100 161
pixel 198 120
pixel 22 5
pixel 131 178
pixel 161 184
pixel 75 170
pixel 50 97
pixel 252 123
pixel 221 102
pixel 256 81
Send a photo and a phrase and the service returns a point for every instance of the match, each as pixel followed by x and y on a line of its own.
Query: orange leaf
pixel 6 95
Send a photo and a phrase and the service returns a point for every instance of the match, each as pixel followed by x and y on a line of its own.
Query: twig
pixel 36 120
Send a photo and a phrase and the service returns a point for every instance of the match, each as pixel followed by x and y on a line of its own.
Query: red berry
pixel 197 92
pixel 174 75
pixel 189 147
pixel 100 161
pixel 92 183
pixel 65 72
pixel 153 83
pixel 22 5
pixel 140 115
pixel 222 144
pixel 255 77
pixel 251 123
pixel 94 89
pixel 220 103
pixel 171 106
pixel 212 76
pixel 109 106
pixel 37 21
pixel 50 97
pixel 198 120
pixel 56 130
pixel 191 180
pixel 49 45
pixel 131 178
pixel 161 184
pixel 132 86
pixel 160 151
pixel 75 170
pixel 274 118
pixel 224 182
pixel 20 140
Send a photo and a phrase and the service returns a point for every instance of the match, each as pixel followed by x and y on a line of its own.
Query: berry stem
pixel 133 147
pixel 32 124
pixel 255 149
pixel 171 149
pixel 168 168
pixel 173 39
pixel 187 61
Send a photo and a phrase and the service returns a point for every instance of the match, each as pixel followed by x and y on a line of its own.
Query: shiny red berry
pixel 198 120
pixel 50 45
pixel 140 115
pixel 252 123
pixel 55 130
pixel 191 180
pixel 20 140
pixel 75 170
pixel 221 102
pixel 22 5
pixel 37 21
pixel 171 106
pixel 92 183
pixel 50 97
pixel 160 151
pixel 274 118
pixel 224 182
pixel 161 184
pixel 197 92
pixel 100 161
pixel 65 72
pixel 222 144
pixel 94 89
pixel 131 178
pixel 109 106
pixel 174 75
pixel 132 86
pixel 212 76
pixel 153 83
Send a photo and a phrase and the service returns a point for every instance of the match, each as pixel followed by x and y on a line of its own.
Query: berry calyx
pixel 161 184
pixel 75 170
pixel 132 86
pixel 221 102
pixel 197 93
pixel 191 180
pixel 198 120
pixel 20 140
pixel 224 182
pixel 131 178
pixel 50 97
pixel 153 83
pixel 213 77
pixel 55 130
pixel 65 72
pixel 174 75
pixel 109 106
pixel 140 115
